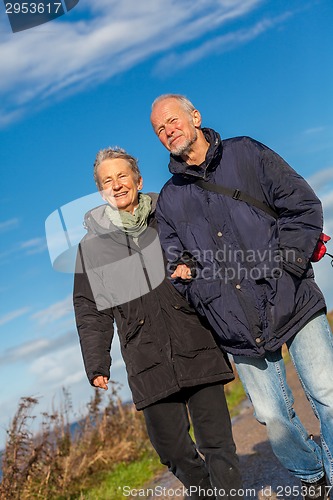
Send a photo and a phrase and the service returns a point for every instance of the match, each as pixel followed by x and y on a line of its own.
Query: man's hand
pixel 183 272
pixel 101 382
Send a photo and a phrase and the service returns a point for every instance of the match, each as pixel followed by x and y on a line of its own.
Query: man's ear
pixel 140 183
pixel 196 118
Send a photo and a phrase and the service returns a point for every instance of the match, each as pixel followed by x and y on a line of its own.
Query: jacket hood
pixel 96 221
pixel 213 156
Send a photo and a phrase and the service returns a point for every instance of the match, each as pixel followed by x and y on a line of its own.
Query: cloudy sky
pixel 261 68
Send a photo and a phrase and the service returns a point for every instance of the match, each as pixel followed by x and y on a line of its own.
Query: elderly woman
pixel 172 361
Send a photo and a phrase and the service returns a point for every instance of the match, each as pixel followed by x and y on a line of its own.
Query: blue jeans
pixel 264 380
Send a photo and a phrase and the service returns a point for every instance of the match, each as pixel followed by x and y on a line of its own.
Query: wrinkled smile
pixel 120 195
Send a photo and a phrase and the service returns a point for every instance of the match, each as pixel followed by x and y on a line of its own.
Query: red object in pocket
pixel 320 249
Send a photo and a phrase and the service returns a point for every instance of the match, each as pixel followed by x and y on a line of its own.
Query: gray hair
pixel 112 154
pixel 183 101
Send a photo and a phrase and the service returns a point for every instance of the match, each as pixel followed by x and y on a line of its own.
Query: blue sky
pixel 86 81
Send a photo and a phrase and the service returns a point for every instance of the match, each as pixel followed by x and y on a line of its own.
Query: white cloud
pixel 23 248
pixel 66 57
pixel 9 116
pixel 35 349
pixel 321 179
pixel 223 43
pixel 62 366
pixel 33 246
pixel 54 312
pixel 323 269
pixel 314 131
pixel 26 350
pixel 8 224
pixel 73 378
pixel 323 273
pixel 6 318
pixel 58 366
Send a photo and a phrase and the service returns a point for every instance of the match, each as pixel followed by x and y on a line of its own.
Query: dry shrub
pixel 59 463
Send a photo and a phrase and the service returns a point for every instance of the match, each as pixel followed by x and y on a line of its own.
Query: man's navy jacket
pixel 254 280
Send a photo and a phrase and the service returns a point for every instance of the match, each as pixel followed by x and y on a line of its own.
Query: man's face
pixel 175 127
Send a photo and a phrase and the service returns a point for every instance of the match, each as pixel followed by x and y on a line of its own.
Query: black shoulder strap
pixel 236 195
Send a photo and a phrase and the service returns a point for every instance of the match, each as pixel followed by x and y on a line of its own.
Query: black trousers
pixel 218 475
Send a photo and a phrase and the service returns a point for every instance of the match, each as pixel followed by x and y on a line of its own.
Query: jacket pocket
pixel 141 351
pixel 286 296
pixel 133 331
pixel 182 305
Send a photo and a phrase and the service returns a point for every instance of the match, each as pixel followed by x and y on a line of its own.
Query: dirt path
pixel 263 476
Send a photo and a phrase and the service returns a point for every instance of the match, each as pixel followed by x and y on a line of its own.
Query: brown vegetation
pixel 57 464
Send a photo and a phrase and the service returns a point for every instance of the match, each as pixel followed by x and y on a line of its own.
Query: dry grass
pixel 56 464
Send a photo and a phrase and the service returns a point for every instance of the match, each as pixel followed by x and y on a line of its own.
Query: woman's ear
pixel 102 193
pixel 140 183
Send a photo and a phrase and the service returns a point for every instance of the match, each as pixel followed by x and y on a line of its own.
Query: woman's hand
pixel 101 382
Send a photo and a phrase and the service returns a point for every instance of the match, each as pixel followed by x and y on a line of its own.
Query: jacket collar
pixel 178 166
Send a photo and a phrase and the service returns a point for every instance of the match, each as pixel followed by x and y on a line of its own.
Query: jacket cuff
pixel 94 374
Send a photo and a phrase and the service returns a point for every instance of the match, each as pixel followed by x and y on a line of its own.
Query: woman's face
pixel 118 184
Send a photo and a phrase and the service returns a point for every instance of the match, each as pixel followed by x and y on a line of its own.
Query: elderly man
pixel 242 226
